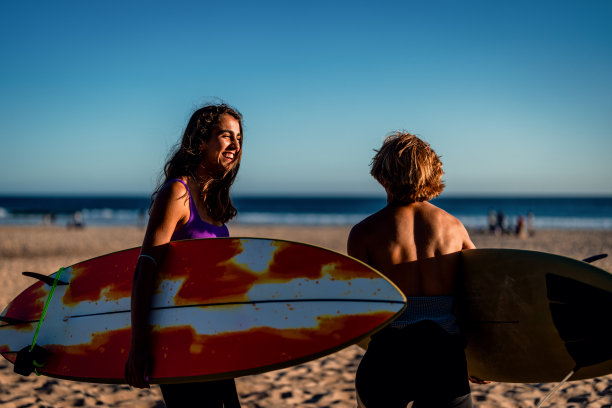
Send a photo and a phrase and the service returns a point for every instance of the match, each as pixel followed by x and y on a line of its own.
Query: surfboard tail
pixel 581 315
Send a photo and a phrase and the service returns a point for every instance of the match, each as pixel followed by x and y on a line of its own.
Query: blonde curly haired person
pixel 420 356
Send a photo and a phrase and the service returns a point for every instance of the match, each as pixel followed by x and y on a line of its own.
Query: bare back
pixel 417 246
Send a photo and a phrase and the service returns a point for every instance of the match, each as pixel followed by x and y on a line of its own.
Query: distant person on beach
pixel 492 218
pixel 193 201
pixel 77 221
pixel 420 356
pixel 530 223
pixel 501 223
pixel 49 218
pixel 521 228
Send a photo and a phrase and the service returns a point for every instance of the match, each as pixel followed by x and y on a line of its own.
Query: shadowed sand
pixel 326 382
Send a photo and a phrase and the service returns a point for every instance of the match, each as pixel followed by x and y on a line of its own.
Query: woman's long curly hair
pixel 187 156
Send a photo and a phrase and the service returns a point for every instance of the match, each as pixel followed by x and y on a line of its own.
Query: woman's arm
pixel 168 213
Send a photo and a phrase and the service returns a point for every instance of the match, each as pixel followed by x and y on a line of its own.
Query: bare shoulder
pixel 358 242
pixel 359 231
pixel 449 226
pixel 171 201
pixel 367 226
pixel 170 210
pixel 439 216
pixel 176 187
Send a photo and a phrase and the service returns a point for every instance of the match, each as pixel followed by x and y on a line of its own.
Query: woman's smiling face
pixel 222 150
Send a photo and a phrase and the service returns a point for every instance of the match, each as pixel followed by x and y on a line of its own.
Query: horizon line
pixel 281 195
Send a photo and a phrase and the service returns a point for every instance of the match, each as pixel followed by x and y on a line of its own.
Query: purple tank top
pixel 195 226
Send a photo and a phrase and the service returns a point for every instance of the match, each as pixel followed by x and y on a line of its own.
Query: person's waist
pixel 438 309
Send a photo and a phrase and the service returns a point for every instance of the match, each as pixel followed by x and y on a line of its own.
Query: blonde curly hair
pixel 408 169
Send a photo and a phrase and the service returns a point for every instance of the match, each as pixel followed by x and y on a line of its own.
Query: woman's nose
pixel 235 143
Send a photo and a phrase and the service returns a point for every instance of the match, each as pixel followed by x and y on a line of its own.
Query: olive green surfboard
pixel 531 317
pixel 534 317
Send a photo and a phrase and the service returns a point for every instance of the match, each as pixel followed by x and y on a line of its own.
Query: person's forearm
pixel 142 293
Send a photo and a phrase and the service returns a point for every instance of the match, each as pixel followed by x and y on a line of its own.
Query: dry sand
pixel 326 382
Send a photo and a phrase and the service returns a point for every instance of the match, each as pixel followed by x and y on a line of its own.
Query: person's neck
pixel 391 203
pixel 203 179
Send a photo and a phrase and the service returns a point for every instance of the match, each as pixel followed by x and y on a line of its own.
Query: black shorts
pixel 420 363
pixel 211 394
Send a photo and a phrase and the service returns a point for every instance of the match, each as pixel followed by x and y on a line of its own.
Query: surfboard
pixel 222 308
pixel 535 317
pixel 531 317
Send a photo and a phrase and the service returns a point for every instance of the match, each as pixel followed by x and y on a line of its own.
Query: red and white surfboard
pixel 223 307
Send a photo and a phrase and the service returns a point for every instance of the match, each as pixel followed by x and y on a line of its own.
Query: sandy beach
pixel 326 382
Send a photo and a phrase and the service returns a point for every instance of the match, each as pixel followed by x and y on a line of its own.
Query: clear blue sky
pixel 516 96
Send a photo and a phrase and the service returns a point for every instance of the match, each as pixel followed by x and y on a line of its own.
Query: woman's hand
pixel 138 368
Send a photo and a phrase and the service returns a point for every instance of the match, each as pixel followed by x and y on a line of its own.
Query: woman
pixel 419 357
pixel 192 202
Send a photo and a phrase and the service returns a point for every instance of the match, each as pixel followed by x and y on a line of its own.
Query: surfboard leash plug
pixel 29 359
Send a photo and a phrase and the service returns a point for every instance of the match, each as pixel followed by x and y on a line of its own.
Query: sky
pixel 515 96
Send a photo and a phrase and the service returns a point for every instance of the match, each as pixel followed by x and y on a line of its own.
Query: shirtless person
pixel 420 356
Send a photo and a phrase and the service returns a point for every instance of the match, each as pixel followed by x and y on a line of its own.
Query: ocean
pixel 548 212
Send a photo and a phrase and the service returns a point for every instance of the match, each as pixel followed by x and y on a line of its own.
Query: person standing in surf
pixel 193 201
pixel 419 357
